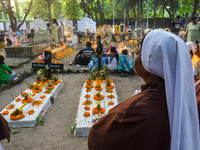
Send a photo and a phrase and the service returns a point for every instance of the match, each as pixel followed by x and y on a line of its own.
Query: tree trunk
pixel 141 14
pixel 127 15
pixel 17 9
pixel 195 7
pixel 100 13
pixel 49 13
pixel 134 10
pixel 163 12
pixel 74 4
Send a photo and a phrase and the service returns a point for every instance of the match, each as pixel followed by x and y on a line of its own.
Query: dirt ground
pixel 60 117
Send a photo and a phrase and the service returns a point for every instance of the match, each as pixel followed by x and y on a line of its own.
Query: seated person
pixel 113 60
pixel 94 61
pixel 109 49
pixel 5 72
pixel 163 115
pixel 9 42
pixel 125 63
pixel 84 60
pixel 2 44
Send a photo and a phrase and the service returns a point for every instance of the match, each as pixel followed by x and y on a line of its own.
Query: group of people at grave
pixel 10 38
pixel 121 62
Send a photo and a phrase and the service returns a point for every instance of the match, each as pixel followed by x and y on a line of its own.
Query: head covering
pixel 61 22
pixel 166 55
pixel 111 45
pixel 190 45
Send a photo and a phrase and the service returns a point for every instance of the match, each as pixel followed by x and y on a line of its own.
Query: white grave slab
pixel 72 41
pixel 86 23
pixel 30 120
pixel 38 24
pixel 1 26
pixel 22 27
pixel 85 123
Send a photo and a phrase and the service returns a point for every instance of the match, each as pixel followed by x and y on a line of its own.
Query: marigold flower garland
pixel 87 108
pixel 111 103
pixel 5 112
pixel 86 114
pixel 95 111
pixel 87 96
pixel 38 103
pixel 42 96
pixel 111 96
pixel 87 102
pixel 31 112
pixel 10 107
pixel 98 96
pixel 18 99
pixel 17 114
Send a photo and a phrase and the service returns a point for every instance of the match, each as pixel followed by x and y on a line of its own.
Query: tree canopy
pixel 98 10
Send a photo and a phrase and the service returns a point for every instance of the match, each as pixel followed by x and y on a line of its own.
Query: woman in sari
pixel 125 63
pixel 54 31
pixel 196 66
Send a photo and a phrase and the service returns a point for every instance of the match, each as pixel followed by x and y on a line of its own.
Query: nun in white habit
pixel 163 116
pixel 166 55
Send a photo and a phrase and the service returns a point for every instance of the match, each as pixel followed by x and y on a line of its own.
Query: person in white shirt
pixel 113 60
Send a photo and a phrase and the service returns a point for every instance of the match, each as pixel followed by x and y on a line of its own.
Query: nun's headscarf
pixel 166 55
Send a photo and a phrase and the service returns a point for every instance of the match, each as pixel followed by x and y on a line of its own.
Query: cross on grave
pixel 99 53
pixel 47 63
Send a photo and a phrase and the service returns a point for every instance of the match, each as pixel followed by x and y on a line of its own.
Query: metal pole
pixel 148 15
pixel 124 12
pixel 113 15
pixel 136 19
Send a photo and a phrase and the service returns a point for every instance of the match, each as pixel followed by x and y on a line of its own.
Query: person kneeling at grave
pixel 6 73
pixel 83 58
pixel 125 63
pixel 164 115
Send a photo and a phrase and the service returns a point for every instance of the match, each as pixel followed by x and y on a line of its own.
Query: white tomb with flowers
pixel 40 102
pixel 88 111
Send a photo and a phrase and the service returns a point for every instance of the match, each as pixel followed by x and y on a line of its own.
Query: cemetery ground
pixel 60 117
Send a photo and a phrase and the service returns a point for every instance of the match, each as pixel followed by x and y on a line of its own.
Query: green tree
pixel 6 4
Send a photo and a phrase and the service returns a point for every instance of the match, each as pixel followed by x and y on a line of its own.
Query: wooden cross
pixel 47 63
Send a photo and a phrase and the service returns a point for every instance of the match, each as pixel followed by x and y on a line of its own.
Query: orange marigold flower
pixel 31 112
pixel 86 114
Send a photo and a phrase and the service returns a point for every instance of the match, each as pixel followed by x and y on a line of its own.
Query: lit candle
pixel 18 44
pixel 34 42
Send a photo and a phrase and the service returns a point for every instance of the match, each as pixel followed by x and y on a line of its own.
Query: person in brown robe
pixel 197 89
pixel 4 129
pixel 142 122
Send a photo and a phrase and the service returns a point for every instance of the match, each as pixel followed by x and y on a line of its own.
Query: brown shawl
pixel 4 129
pixel 138 123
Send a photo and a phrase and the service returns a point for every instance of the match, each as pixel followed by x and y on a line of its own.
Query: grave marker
pixel 47 63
